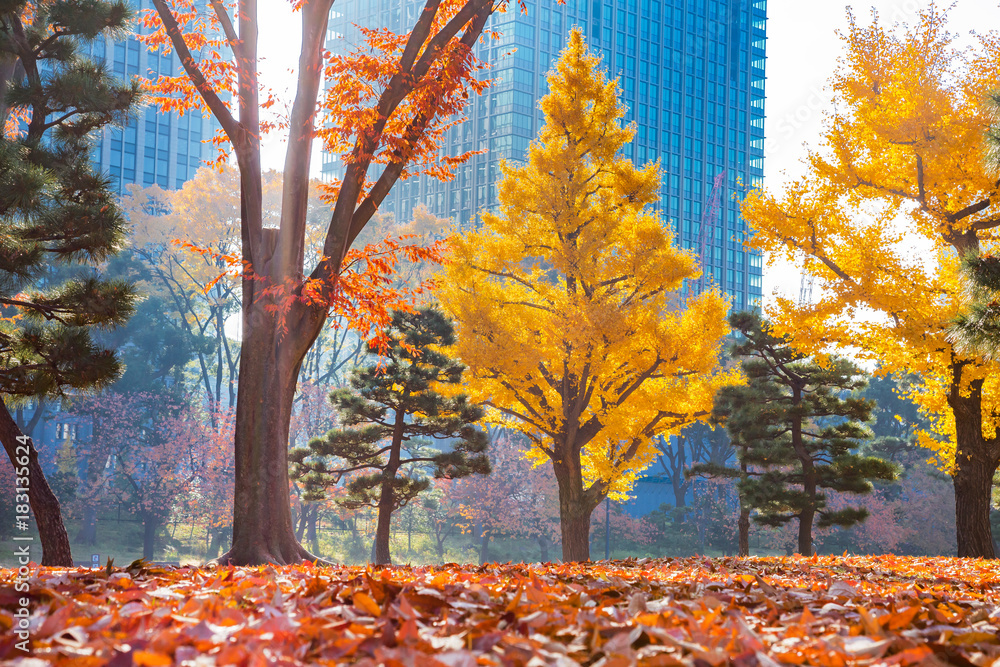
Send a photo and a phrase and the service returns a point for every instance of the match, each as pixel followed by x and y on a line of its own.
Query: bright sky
pixel 802 52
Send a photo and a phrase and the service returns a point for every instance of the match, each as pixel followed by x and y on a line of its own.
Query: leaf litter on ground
pixel 696 612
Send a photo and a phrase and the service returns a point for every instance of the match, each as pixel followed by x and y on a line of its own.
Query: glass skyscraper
pixel 155 147
pixel 691 73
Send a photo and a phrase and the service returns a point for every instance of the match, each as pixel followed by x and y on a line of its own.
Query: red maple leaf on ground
pixel 755 612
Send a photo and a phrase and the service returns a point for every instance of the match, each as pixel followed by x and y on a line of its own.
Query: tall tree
pixel 902 167
pixel 388 105
pixel 563 302
pixel 398 401
pixel 58 220
pixel 795 430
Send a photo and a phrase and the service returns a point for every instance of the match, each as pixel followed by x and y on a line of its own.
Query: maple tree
pixel 206 496
pixel 388 417
pixel 144 453
pixel 384 112
pixel 795 430
pixel 518 498
pixel 623 527
pixel 901 167
pixel 58 222
pixel 563 302
pixel 202 289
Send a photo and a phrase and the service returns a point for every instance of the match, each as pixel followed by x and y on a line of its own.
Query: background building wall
pixel 691 73
pixel 155 147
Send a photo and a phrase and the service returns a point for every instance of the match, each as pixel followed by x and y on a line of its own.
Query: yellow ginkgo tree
pixel 567 303
pixel 897 194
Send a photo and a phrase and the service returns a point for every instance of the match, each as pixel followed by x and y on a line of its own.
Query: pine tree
pixel 391 410
pixel 976 329
pixel 58 220
pixel 795 429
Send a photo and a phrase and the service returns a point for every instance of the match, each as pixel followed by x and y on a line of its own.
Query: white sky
pixel 802 52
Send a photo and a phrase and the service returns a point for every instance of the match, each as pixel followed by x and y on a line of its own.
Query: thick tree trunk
pixel 575 525
pixel 43 502
pixel 576 504
pixel 271 354
pixel 805 531
pixel 976 461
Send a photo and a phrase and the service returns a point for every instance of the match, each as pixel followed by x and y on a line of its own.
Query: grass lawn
pixel 699 612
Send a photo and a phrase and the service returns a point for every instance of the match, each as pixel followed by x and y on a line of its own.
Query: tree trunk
pixel 543 544
pixel 805 531
pixel 386 498
pixel 269 366
pixel 976 461
pixel 575 507
pixel 43 502
pixel 484 547
pixel 575 528
pixel 150 525
pixel 744 525
pixel 809 480
pixel 383 529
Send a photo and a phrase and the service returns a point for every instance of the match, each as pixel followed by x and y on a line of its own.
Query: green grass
pixel 186 544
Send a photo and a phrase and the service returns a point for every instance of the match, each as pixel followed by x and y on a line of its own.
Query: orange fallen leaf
pixel 366 604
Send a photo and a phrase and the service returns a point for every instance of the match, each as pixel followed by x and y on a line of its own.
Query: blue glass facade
pixel 155 147
pixel 691 73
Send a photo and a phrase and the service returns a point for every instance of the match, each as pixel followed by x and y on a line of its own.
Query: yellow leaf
pixel 366 604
